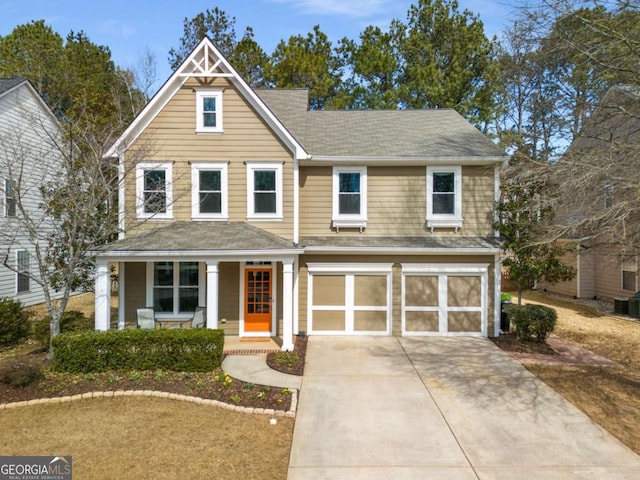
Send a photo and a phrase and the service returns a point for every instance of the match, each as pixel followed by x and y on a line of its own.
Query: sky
pixel 130 27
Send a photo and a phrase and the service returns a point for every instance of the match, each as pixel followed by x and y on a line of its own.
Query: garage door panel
pixel 370 290
pixel 465 322
pixel 464 291
pixel 421 291
pixel 421 321
pixel 370 321
pixel 328 290
pixel 328 320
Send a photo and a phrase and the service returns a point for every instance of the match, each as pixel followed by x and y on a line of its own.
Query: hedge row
pixel 183 350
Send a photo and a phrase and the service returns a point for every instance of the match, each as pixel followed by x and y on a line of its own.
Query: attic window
pixel 208 111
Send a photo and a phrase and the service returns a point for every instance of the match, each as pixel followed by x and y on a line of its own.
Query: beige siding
pixel 396 201
pixel 171 137
pixel 229 291
pixel 135 281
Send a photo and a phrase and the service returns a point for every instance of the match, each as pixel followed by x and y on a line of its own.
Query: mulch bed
pixel 208 385
pixel 510 343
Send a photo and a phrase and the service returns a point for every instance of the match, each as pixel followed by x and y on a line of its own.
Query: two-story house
pixel 281 220
pixel 604 157
pixel 30 156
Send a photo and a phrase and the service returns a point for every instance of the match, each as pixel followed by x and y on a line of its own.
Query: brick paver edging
pixel 150 393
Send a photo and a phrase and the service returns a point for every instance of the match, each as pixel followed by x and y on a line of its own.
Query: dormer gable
pixel 205 64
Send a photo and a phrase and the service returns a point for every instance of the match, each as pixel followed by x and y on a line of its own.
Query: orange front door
pixel 257 305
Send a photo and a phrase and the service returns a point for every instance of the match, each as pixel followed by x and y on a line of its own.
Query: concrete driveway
pixel 440 408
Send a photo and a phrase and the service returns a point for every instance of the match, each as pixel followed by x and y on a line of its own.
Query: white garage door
pixel 444 299
pixel 349 299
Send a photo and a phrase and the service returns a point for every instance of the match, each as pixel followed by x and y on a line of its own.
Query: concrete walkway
pixel 440 408
pixel 254 369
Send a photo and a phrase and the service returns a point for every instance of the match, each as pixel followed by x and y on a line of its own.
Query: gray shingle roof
pixel 9 83
pixel 426 242
pixel 383 133
pixel 201 236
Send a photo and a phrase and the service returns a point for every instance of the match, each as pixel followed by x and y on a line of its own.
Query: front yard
pixel 609 395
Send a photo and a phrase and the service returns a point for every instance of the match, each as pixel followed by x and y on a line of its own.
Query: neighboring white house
pixel 30 139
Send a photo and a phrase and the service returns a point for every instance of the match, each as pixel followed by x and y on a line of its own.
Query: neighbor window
pixel 350 197
pixel 209 111
pixel 23 282
pixel 444 196
pixel 175 287
pixel 209 194
pixel 9 199
pixel 608 195
pixel 153 190
pixel 264 191
pixel 629 272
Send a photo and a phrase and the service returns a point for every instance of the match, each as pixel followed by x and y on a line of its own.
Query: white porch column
pixel 103 290
pixel 287 305
pixel 121 312
pixel 212 294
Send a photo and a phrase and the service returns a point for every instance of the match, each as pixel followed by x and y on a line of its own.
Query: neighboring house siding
pixel 171 137
pixel 396 198
pixel 29 158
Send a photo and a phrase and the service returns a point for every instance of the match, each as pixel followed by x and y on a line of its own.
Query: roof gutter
pixel 395 160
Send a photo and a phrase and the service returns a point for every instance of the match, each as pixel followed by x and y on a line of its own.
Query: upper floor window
pixel 350 197
pixel 209 194
pixel 154 190
pixel 23 281
pixel 9 199
pixel 444 197
pixel 209 111
pixel 264 191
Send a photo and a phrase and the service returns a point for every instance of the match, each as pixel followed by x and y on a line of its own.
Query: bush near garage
pixel 182 350
pixel 532 322
pixel 72 321
pixel 14 321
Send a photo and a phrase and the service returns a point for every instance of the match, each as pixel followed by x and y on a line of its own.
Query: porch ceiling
pixel 200 237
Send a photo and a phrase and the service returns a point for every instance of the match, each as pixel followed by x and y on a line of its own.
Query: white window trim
pixel 176 288
pixel 6 185
pixel 445 220
pixel 251 168
pixel 196 168
pixel 18 273
pixel 349 220
pixel 200 94
pixel 140 169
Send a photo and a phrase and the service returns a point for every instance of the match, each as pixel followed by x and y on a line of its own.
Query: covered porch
pixel 244 277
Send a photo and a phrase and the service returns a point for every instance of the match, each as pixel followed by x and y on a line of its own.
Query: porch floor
pixel 234 345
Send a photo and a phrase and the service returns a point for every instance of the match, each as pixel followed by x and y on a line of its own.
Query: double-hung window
pixel 209 111
pixel 154 190
pixel 23 282
pixel 209 191
pixel 175 287
pixel 629 273
pixel 9 199
pixel 349 197
pixel 264 191
pixel 444 197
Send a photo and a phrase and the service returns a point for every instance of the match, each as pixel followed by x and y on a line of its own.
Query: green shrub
pixel 14 321
pixel 183 350
pixel 532 322
pixel 72 321
pixel 20 374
